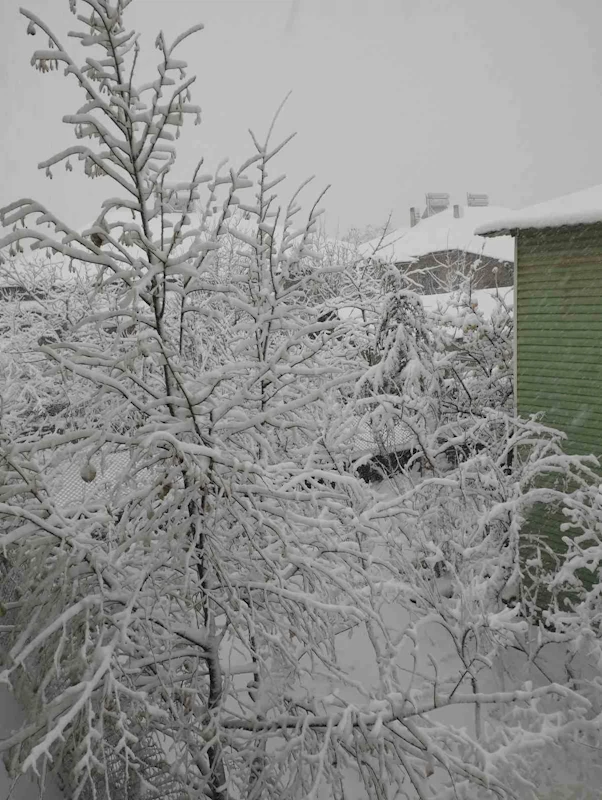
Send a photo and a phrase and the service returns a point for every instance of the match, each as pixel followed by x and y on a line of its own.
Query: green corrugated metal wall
pixel 559 331
pixel 558 309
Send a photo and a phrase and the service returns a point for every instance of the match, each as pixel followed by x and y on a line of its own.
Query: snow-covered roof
pixel 442 232
pixel 577 208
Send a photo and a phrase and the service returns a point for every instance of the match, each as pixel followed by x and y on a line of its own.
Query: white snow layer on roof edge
pixel 578 208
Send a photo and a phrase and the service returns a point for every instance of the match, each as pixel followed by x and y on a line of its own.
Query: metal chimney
pixel 457 212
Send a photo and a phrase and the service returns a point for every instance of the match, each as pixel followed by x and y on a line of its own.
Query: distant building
pixel 440 243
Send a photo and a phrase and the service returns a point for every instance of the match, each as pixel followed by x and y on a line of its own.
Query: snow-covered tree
pixel 196 575
pixel 203 422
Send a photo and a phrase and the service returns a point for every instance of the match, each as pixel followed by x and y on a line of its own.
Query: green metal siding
pixel 558 309
pixel 559 331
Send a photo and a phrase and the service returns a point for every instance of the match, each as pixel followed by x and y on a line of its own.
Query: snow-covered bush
pixel 40 303
pixel 221 610
pixel 435 370
pixel 483 347
pixel 472 478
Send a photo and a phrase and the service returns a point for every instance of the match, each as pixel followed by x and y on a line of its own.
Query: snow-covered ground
pixel 485 300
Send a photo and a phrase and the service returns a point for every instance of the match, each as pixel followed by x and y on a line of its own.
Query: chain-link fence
pixel 380 448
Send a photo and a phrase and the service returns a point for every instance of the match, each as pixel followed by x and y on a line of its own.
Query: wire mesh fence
pixel 380 448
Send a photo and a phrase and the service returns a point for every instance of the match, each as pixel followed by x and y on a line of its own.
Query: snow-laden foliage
pixel 471 476
pixel 41 304
pixel 483 366
pixel 201 597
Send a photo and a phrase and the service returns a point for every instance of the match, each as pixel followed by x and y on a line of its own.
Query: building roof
pixel 578 208
pixel 443 232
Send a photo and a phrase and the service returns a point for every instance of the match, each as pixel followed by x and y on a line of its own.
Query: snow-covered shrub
pixel 483 348
pixel 435 371
pixel 40 304
pixel 482 473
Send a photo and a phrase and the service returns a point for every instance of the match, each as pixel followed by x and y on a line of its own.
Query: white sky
pixel 391 98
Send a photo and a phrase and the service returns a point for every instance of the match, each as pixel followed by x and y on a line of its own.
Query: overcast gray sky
pixel 390 98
